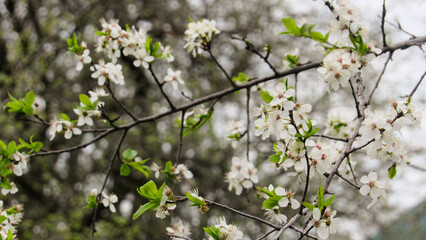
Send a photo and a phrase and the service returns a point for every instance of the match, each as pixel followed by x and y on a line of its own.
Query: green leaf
pixel 101 33
pixel 266 191
pixel 141 168
pixel 2 218
pixel 271 202
pixel 213 232
pixel 65 117
pixel 266 96
pixel 195 200
pixel 242 77
pixel 320 198
pixel 310 206
pixel 329 201
pixel 129 154
pixel 291 26
pixel 124 170
pixel 144 208
pixel 9 235
pixel 392 172
pixel 275 158
pixel 2 145
pixel 29 98
pixel 11 148
pixel 86 100
pixel 5 183
pixel 148 191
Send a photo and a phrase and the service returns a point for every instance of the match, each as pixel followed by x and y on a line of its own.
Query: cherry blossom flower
pixel 288 197
pixel 70 129
pixel 228 231
pixel 198 35
pixel 275 215
pixel 156 169
pixel 373 187
pixel 13 190
pixel 242 174
pixel 84 57
pixel 84 117
pixel 325 223
pixel 179 229
pixel 174 77
pixel 109 200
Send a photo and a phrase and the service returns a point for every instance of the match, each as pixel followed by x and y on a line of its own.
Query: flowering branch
pixel 220 66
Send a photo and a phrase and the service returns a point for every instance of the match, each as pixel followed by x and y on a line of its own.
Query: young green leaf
pixel 320 198
pixel 329 201
pixel 310 206
pixel 392 172
pixel 129 154
pixel 144 208
pixel 124 170
pixel 266 96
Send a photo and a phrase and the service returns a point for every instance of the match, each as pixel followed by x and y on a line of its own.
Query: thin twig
pixel 108 173
pixel 417 85
pixel 266 234
pixel 356 101
pixel 218 95
pixel 380 77
pixel 221 68
pixel 251 48
pixel 400 28
pixel 346 180
pixel 248 123
pixel 180 137
pixel 306 233
pixel 331 137
pixel 295 88
pixel 382 25
pixel 287 225
pixel 107 84
pixel 161 87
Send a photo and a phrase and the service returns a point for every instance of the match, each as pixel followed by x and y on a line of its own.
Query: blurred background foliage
pixel 33 56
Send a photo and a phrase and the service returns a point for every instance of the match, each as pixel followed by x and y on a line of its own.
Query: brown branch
pixel 379 78
pixel 251 48
pixel 219 94
pixel 266 234
pixel 331 137
pixel 417 85
pixel 248 123
pixel 108 86
pixel 355 99
pixel 98 198
pixel 161 87
pixel 220 66
pixel 418 41
pixel 382 25
pixel 180 136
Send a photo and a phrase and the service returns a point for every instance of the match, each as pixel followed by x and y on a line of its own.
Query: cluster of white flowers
pixel 179 229
pixel 165 208
pixel 324 154
pixel 59 125
pixel 286 198
pixel 383 127
pixel 227 231
pixel 85 112
pixel 373 187
pixel 13 217
pixel 275 116
pixel 235 130
pixel 242 174
pixel 103 71
pixel 198 35
pixel 341 64
pixel 325 223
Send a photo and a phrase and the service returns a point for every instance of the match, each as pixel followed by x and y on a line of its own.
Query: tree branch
pixel 161 87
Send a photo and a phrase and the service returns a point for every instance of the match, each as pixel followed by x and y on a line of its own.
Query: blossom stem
pixel 161 87
pixel 182 119
pixel 107 84
pixel 221 68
